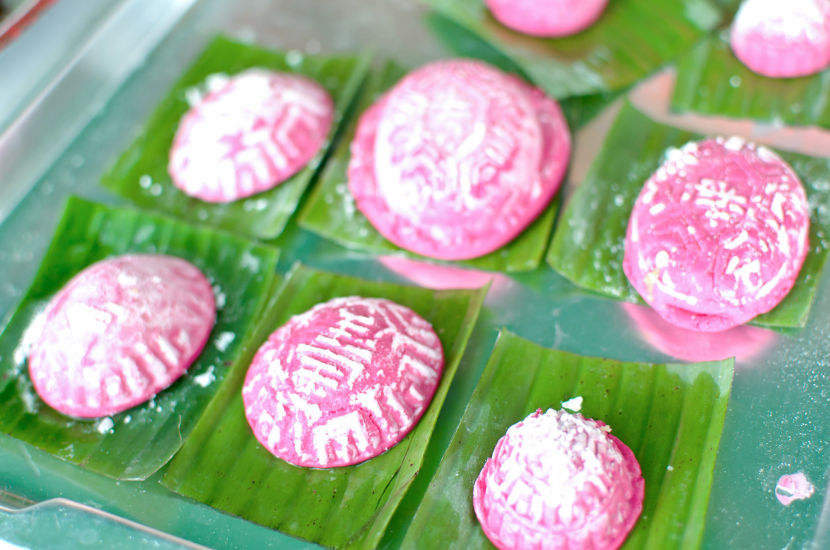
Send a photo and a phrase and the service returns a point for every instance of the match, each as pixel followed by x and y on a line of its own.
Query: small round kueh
pixel 782 38
pixel 718 234
pixel 547 17
pixel 458 159
pixel 558 481
pixel 119 332
pixel 343 382
pixel 249 135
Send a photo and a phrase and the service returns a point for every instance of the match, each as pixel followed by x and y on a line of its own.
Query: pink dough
pixel 119 332
pixel 249 135
pixel 547 17
pixel 558 481
pixel 343 382
pixel 458 159
pixel 783 38
pixel 717 235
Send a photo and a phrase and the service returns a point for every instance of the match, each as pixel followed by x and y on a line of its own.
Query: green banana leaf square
pixel 712 81
pixel 142 439
pixel 331 213
pixel 223 465
pixel 670 416
pixel 589 242
pixel 141 176
pixel 578 110
pixel 632 39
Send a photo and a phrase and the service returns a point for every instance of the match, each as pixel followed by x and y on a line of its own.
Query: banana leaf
pixel 670 416
pixel 140 175
pixel 578 110
pixel 224 466
pixel 142 439
pixel 712 81
pixel 632 39
pixel 588 245
pixel 331 213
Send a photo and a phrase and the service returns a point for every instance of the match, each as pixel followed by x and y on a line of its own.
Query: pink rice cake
pixel 718 234
pixel 547 18
pixel 119 332
pixel 252 133
pixel 458 159
pixel 558 481
pixel 783 38
pixel 343 382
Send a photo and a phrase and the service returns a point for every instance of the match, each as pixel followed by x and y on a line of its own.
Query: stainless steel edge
pixel 121 43
pixel 66 504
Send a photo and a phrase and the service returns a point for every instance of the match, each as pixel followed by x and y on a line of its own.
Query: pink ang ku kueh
pixel 457 159
pixel 559 481
pixel 547 18
pixel 718 234
pixel 783 38
pixel 119 332
pixel 250 134
pixel 343 382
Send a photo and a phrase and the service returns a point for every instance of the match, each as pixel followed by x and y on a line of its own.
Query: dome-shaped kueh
pixel 457 159
pixel 782 39
pixel 559 481
pixel 249 135
pixel 119 332
pixel 343 382
pixel 718 234
pixel 547 18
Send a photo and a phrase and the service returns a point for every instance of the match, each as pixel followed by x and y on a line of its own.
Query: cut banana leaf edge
pixel 589 242
pixel 141 176
pixel 224 466
pixel 632 39
pixel 671 416
pixel 713 82
pixel 331 213
pixel 133 444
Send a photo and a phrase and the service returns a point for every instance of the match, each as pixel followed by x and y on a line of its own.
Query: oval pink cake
pixel 547 17
pixel 342 382
pixel 457 159
pixel 558 481
pixel 783 38
pixel 249 135
pixel 119 332
pixel 718 234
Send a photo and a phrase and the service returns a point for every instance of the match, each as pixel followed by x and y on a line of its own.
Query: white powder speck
pixel 574 404
pixel 30 336
pixel 249 262
pixel 224 340
pixel 294 58
pixel 205 379
pixel 219 296
pixel 104 425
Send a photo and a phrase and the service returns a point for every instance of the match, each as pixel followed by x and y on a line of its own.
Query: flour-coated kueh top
pixel 718 234
pixel 342 382
pixel 559 481
pixel 250 134
pixel 547 17
pixel 119 332
pixel 457 159
pixel 783 38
